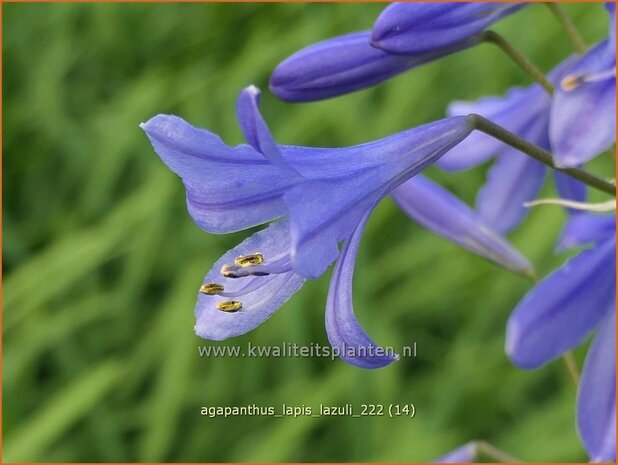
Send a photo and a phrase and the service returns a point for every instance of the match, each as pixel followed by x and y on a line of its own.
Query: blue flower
pixel 514 178
pixel 408 28
pixel 404 37
pixel 320 197
pixel 576 124
pixel 561 311
pixel 583 111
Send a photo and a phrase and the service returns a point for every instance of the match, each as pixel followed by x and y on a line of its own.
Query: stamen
pixel 229 271
pixel 229 306
pixel 573 81
pixel 600 76
pixel 249 260
pixel 234 271
pixel 279 265
pixel 211 288
pixel 253 285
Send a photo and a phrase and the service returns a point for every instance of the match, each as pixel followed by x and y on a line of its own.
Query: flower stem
pixel 539 154
pixel 522 61
pixel 494 453
pixel 571 364
pixel 569 27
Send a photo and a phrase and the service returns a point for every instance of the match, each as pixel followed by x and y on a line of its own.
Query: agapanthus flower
pixel 405 36
pixel 561 311
pixel 320 197
pixel 583 111
pixel 514 178
pixel 575 124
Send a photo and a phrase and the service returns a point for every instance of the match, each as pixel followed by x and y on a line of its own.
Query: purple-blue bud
pixel 418 27
pixel 342 65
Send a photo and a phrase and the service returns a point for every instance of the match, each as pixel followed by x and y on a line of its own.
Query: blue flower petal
pixel 324 212
pixel 523 111
pixel 255 128
pixel 560 311
pixel 464 454
pixel 228 189
pixel 517 111
pixel 342 65
pixel 261 296
pixel 407 28
pixel 596 403
pixel 440 211
pixel 512 180
pixel 343 330
pixel 583 119
pixel 586 228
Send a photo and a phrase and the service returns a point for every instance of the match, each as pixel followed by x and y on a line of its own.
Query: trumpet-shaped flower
pixel 321 198
pixel 561 311
pixel 405 36
pixel 583 111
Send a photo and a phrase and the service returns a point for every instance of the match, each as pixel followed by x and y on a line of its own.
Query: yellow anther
pixel 571 82
pixel 211 289
pixel 229 305
pixel 249 260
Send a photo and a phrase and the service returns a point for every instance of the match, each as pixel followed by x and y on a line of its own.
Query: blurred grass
pixel 101 260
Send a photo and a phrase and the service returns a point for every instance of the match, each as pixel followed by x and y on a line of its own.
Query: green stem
pixel 519 58
pixel 569 27
pixel 539 154
pixel 494 453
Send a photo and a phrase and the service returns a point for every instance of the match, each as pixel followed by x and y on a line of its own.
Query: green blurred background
pixel 102 262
